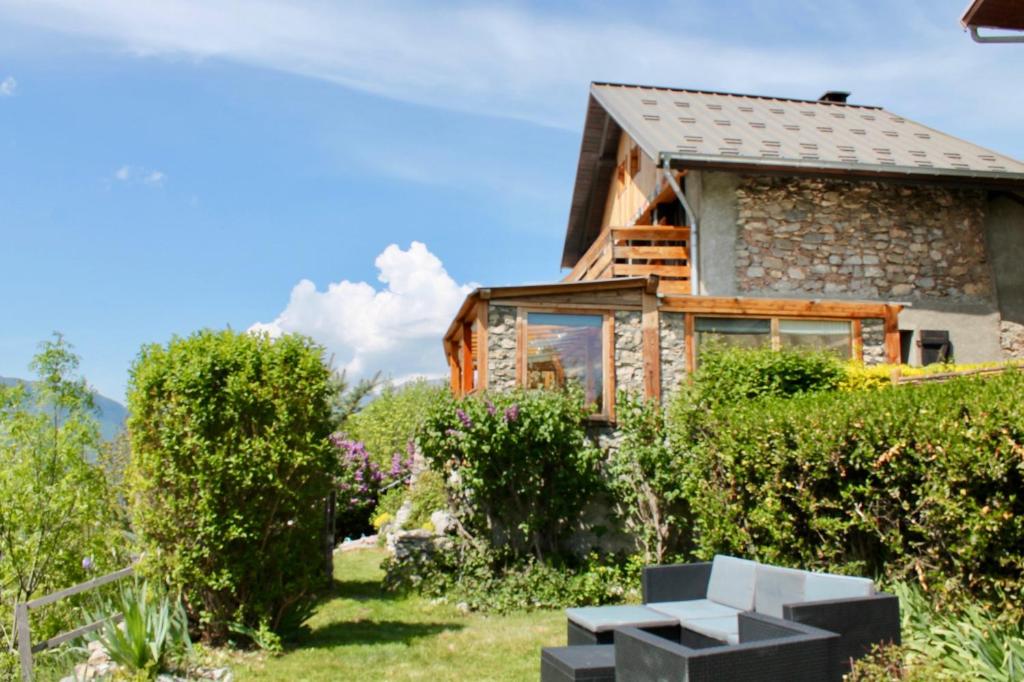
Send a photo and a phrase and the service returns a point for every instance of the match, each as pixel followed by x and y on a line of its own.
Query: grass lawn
pixel 361 633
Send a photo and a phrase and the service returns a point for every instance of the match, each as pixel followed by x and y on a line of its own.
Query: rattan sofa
pixel 737 619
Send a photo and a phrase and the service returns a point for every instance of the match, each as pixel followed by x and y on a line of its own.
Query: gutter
pixel 978 38
pixel 691 221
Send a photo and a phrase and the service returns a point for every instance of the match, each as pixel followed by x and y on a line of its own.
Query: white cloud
pixel 396 329
pixel 135 174
pixel 8 87
pixel 534 64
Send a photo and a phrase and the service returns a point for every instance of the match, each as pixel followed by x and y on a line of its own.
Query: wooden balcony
pixel 639 251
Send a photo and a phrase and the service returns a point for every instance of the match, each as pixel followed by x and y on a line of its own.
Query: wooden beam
pixel 453 365
pixel 680 271
pixel 857 331
pixel 467 357
pixel 608 367
pixel 651 339
pixel 482 365
pixel 717 305
pixel 521 347
pixel 670 234
pixel 892 335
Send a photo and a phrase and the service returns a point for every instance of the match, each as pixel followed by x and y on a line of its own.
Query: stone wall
pixel 1011 338
pixel 629 357
pixel 873 334
pixel 871 240
pixel 501 348
pixel 673 352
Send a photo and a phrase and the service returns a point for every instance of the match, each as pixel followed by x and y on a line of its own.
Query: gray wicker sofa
pixel 731 613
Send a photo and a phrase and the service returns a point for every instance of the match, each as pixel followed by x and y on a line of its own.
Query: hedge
pixel 904 481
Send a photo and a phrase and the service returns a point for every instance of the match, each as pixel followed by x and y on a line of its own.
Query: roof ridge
pixel 736 94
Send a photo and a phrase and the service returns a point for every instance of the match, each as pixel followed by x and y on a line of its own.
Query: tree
pixel 58 519
pixel 231 463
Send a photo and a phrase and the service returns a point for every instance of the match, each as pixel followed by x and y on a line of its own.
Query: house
pixel 757 220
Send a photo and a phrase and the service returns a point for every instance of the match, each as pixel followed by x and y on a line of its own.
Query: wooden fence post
pixel 24 640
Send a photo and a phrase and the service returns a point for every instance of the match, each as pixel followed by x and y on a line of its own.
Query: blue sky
pixel 175 164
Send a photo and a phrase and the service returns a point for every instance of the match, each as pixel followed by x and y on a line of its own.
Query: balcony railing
pixel 639 251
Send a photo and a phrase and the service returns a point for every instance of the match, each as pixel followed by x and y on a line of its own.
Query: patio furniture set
pixel 729 619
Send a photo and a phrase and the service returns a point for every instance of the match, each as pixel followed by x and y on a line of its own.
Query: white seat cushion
pixel 726 629
pixel 823 586
pixel 693 609
pixel 602 618
pixel 732 582
pixel 777 586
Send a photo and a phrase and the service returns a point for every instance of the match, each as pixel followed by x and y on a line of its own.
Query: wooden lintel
pixel 484 294
pixel 716 305
pixel 651 346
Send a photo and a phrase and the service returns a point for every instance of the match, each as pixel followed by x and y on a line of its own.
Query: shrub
pixel 519 465
pixel 644 475
pixel 911 481
pixel 231 462
pixel 389 421
pixel 859 376
pixel 729 375
pixel 484 580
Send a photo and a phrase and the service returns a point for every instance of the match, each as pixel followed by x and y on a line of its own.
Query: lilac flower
pixel 491 410
pixel 512 413
pixel 464 418
pixel 453 432
pixel 87 563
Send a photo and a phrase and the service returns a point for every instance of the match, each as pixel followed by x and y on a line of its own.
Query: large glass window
pixel 831 335
pixel 561 348
pixel 738 332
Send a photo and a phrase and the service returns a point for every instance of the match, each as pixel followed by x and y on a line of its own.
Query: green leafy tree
pixel 58 521
pixel 389 422
pixel 230 465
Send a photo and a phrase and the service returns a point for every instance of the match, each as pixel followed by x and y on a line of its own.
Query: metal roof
pixel 688 124
pixel 750 133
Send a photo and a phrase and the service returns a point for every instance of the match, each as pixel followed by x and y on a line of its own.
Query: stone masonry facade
pixel 629 357
pixel 870 240
pixel 672 335
pixel 873 335
pixel 501 348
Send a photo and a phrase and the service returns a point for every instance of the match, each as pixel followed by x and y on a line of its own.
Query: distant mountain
pixel 110 413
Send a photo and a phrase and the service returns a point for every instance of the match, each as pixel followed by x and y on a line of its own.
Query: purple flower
pixel 512 413
pixel 453 432
pixel 464 418
pixel 491 410
pixel 87 563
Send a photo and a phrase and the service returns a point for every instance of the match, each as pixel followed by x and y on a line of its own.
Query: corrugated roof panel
pixel 780 129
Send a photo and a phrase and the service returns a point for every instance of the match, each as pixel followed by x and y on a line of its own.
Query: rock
pixel 463 608
pixel 442 521
pixel 403 514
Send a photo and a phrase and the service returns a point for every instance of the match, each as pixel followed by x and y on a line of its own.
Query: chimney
pixel 838 96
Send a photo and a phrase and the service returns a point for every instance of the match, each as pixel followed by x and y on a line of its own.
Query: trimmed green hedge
pixel 916 481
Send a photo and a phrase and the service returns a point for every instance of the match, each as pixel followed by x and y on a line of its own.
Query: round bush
pixel 231 463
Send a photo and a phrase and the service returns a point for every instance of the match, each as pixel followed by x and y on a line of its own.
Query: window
pixel 830 335
pixel 566 347
pixel 736 332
